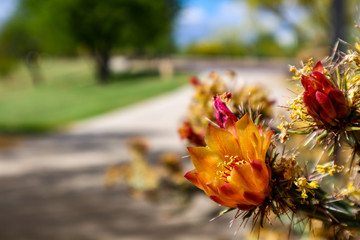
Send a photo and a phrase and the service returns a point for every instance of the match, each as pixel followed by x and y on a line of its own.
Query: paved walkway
pixel 101 141
pixel 51 186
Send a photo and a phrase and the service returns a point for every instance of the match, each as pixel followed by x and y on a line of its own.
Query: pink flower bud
pixel 222 112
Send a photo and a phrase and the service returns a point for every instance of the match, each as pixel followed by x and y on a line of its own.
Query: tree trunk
pixel 338 25
pixel 102 58
pixel 32 64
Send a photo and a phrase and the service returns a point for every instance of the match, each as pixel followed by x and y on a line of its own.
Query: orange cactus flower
pixel 231 169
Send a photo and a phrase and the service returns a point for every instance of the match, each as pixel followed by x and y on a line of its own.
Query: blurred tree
pixel 333 16
pixel 132 24
pixel 17 42
pixel 266 45
pixel 62 26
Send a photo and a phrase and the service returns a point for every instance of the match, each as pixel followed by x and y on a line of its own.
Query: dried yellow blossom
pixel 355 79
pixel 351 191
pixel 225 97
pixel 305 187
pixel 357 46
pixel 283 127
pixel 301 182
pixel 287 166
pixel 313 185
pixel 201 109
pixel 307 68
pixel 328 169
pixel 352 58
pixel 293 69
pixel 297 74
pixel 298 109
pixel 115 174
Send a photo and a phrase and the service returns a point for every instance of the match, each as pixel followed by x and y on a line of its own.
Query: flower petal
pixel 266 142
pixel 340 103
pixel 310 101
pixel 206 180
pixel 221 202
pixel 305 81
pixel 241 176
pixel 230 193
pixel 210 185
pixel 204 159
pixel 244 122
pixel 261 174
pixel 249 139
pixel 325 104
pixel 222 142
pixel 318 67
pixel 255 198
pixel 222 112
pixel 192 177
pixel 322 82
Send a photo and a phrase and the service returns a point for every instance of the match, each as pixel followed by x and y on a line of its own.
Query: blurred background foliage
pixel 68 27
pixel 265 45
pixel 316 25
pixel 328 20
pixel 62 45
pixel 141 28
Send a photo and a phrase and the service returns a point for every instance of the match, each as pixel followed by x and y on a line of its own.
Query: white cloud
pixel 285 37
pixel 294 13
pixel 229 14
pixel 192 15
pixel 191 25
pixel 268 20
pixel 195 23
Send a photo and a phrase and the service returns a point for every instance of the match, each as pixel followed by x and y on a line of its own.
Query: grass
pixel 70 93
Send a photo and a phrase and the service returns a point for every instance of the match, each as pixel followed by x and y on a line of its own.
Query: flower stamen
pixel 228 166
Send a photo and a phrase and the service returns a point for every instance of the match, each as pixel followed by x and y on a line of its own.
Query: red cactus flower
pixel 324 101
pixel 187 132
pixel 195 81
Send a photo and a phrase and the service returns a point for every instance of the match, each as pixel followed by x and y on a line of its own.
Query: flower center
pixel 228 165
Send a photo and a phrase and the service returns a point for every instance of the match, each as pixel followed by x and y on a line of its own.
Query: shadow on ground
pixel 75 205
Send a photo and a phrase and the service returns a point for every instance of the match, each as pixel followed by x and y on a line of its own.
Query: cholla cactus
pixel 329 104
pixel 251 99
pixel 237 161
pixel 328 111
pixel 239 168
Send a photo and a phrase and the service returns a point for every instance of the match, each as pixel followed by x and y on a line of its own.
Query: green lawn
pixel 69 93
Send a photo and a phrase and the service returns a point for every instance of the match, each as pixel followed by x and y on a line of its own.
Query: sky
pixel 7 7
pixel 204 20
